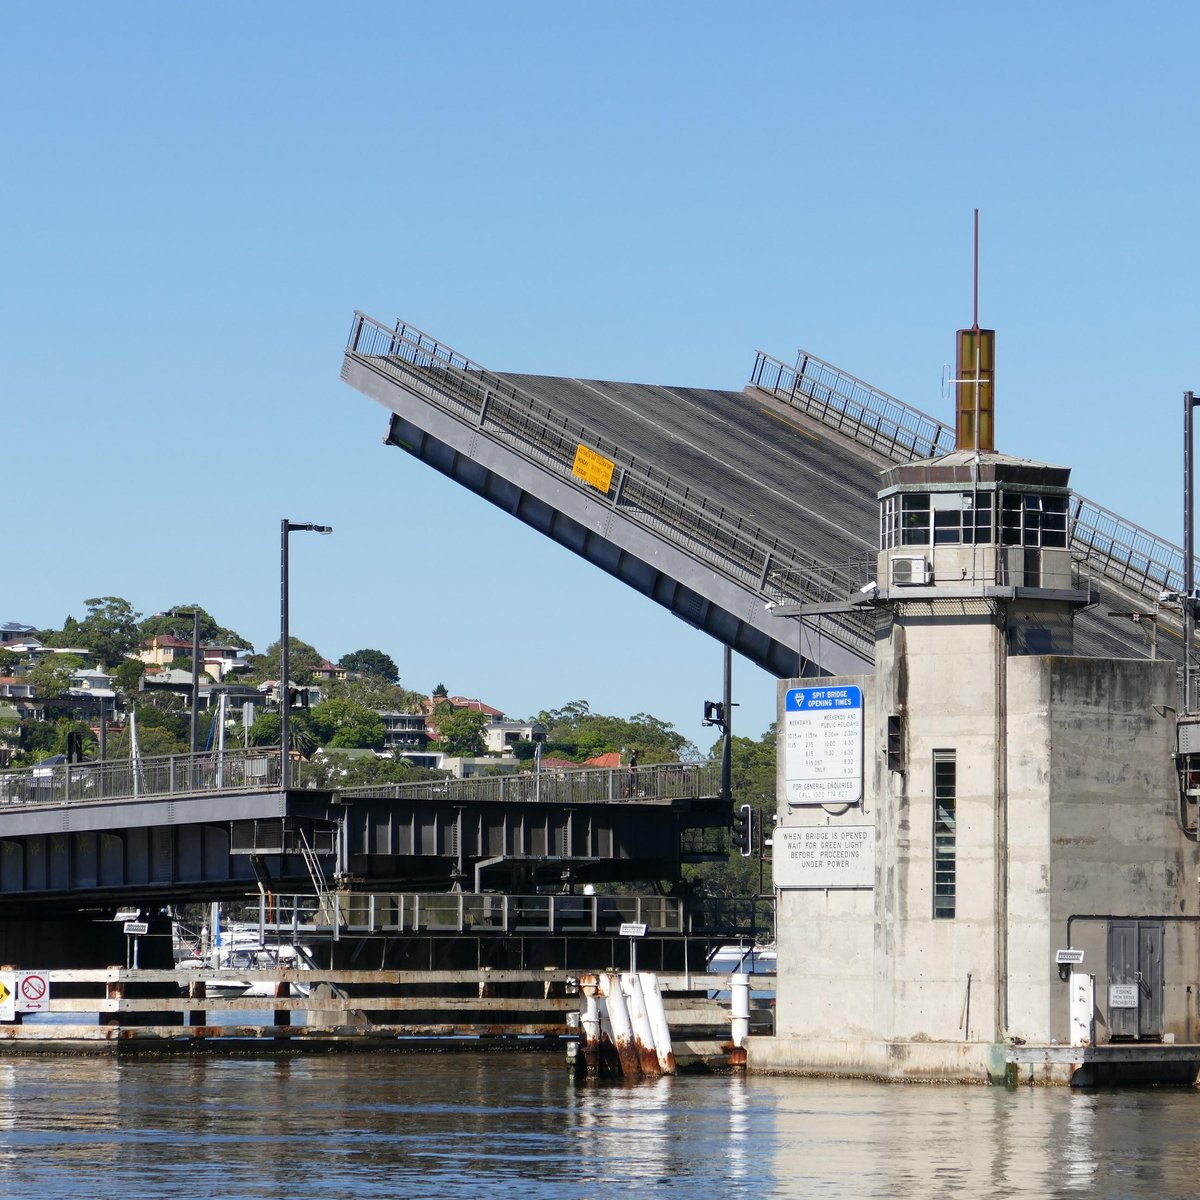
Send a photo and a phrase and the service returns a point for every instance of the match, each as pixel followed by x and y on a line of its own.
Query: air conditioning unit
pixel 911 571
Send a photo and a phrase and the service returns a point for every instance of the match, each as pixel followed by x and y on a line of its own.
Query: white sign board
pixel 1068 956
pixel 633 929
pixel 8 996
pixel 824 856
pixel 137 928
pixel 33 991
pixel 822 745
pixel 1122 995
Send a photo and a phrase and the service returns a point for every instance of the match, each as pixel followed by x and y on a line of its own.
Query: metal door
pixel 1150 979
pixel 1135 979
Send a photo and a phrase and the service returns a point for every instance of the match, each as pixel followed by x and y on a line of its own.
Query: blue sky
pixel 197 198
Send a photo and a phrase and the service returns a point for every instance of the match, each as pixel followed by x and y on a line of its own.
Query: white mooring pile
pixel 625 1025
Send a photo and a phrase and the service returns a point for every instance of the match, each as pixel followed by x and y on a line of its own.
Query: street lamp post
pixel 285 699
pixel 195 726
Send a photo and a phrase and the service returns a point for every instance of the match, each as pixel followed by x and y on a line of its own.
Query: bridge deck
pixel 722 501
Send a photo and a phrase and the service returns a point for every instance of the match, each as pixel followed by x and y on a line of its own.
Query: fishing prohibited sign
pixel 33 991
pixel 823 739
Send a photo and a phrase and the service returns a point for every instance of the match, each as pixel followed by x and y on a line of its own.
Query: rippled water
pixel 459 1125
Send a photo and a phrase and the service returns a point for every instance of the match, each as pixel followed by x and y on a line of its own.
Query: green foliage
pixel 266 732
pixel 128 676
pixel 334 770
pixel 266 729
pixel 575 732
pixel 9 661
pixel 752 781
pixel 346 725
pixel 439 692
pixel 303 660
pixel 178 622
pixel 110 629
pixel 460 731
pixel 372 662
pixel 524 751
pixel 51 674
pixel 45 739
pixel 372 691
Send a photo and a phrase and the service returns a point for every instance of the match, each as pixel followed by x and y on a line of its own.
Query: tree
pixel 460 731
pixel 153 742
pixel 9 661
pixel 51 675
pixel 374 692
pixel 348 726
pixel 178 622
pixel 439 692
pixel 335 770
pixel 266 732
pixel 110 629
pixel 574 731
pixel 303 660
pixel 752 781
pixel 371 662
pixel 128 675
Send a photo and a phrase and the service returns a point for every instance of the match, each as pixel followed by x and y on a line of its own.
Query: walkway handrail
pixel 56 784
pixel 641 491
pixel 846 403
pixel 256 770
pixel 300 916
pixel 1123 552
pixel 653 781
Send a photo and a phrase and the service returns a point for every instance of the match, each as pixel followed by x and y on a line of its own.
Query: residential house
pixel 216 661
pixel 329 671
pixel 404 733
pixel 501 736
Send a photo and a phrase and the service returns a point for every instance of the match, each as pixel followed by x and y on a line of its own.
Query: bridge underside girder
pixel 384 842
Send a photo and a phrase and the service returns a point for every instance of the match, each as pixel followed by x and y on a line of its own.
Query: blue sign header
pixel 823 699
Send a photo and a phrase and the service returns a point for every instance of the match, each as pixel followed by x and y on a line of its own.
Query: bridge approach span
pixel 216 825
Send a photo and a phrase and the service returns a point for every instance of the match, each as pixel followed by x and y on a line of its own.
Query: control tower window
pixel 1032 520
pixel 914 520
pixel 941 518
pixel 959 518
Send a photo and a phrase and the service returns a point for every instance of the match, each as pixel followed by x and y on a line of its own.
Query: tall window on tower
pixel 945 831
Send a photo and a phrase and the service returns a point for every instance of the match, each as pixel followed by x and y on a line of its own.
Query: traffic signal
pixel 743 830
pixel 714 713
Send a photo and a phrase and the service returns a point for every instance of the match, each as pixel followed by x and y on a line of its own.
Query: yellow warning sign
pixel 4 993
pixel 593 468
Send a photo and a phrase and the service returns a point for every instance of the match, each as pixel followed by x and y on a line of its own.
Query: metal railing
pixel 658 781
pixel 60 784
pixel 301 916
pixel 1123 552
pixel 122 779
pixel 843 402
pixel 641 491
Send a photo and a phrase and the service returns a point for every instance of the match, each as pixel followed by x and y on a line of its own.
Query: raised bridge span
pixel 721 506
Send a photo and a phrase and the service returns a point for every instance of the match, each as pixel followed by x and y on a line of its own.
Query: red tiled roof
pixel 612 759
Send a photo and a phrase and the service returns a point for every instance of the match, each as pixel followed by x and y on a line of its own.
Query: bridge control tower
pixel 982 801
